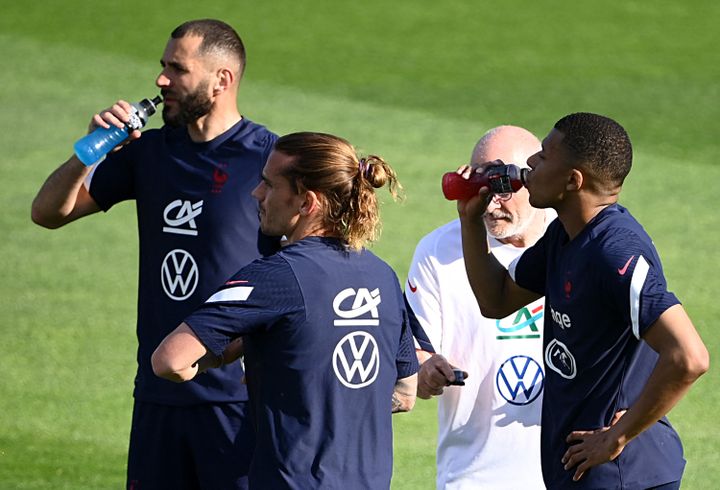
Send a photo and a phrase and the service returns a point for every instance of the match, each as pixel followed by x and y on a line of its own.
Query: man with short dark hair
pixel 615 338
pixel 197 222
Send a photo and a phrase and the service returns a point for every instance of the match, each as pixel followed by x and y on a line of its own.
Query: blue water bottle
pixel 92 147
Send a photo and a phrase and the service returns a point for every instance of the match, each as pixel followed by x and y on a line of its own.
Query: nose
pixel 162 80
pixel 257 191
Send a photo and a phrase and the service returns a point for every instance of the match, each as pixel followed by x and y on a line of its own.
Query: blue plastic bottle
pixel 92 147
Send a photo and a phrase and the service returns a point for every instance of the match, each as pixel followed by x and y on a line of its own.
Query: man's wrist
pixel 618 436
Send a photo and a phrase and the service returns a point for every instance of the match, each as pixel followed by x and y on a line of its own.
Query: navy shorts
pixel 194 447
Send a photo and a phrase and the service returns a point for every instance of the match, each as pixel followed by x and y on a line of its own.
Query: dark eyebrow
pixel 172 64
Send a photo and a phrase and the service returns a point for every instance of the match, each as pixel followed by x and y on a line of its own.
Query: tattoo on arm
pixel 397 405
pixel 403 397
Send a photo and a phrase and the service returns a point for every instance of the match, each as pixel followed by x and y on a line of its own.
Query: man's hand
pixel 233 351
pixel 434 375
pixel 475 207
pixel 592 448
pixel 118 115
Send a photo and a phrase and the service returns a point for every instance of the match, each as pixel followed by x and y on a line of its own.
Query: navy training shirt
pixel 603 290
pixel 326 338
pixel 197 225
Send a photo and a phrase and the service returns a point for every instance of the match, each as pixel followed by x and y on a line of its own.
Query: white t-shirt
pixel 489 429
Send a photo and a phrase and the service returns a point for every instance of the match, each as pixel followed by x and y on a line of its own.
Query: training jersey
pixel 489 429
pixel 603 290
pixel 326 338
pixel 197 225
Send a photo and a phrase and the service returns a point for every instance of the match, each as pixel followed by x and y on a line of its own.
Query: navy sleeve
pixel 418 331
pixel 113 179
pixel 268 245
pixel 633 279
pixel 528 270
pixel 254 299
pixel 271 138
pixel 406 360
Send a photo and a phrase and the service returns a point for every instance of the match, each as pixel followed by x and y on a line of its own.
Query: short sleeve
pixel 633 279
pixel 254 299
pixel 268 144
pixel 406 361
pixel 528 270
pixel 113 179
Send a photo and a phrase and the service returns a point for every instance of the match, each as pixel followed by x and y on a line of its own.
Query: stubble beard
pixel 190 108
pixel 515 225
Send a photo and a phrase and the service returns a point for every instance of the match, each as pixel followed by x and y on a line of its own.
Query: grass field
pixel 414 81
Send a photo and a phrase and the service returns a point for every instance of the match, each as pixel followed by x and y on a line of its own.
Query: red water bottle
pixel 501 179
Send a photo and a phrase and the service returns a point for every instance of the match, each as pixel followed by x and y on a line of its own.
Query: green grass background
pixel 414 81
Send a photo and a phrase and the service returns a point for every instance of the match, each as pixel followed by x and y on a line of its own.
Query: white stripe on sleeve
pixel 636 284
pixel 238 293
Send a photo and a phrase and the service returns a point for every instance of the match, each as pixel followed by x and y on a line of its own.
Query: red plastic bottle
pixel 501 179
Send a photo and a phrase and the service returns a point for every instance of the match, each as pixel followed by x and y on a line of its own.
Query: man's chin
pixel 267 231
pixel 497 229
pixel 170 119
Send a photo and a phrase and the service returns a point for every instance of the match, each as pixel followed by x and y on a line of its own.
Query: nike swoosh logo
pixel 625 267
pixel 412 288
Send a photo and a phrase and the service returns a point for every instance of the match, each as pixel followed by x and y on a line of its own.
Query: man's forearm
pixel 403 397
pixel 402 403
pixel 485 274
pixel 181 356
pixel 682 359
pixel 667 385
pixel 186 373
pixel 57 198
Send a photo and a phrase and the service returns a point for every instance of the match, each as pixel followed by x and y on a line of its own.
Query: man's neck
pixel 309 226
pixel 575 216
pixel 213 124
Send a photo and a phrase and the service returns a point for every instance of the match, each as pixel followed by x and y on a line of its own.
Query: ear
pixel 575 180
pixel 310 204
pixel 224 78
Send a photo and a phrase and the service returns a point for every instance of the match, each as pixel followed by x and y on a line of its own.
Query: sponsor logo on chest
pixel 179 275
pixel 179 217
pixel 525 324
pixel 560 319
pixel 560 359
pixel 520 380
pixel 179 272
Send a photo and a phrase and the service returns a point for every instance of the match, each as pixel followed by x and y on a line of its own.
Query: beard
pixel 506 225
pixel 191 107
